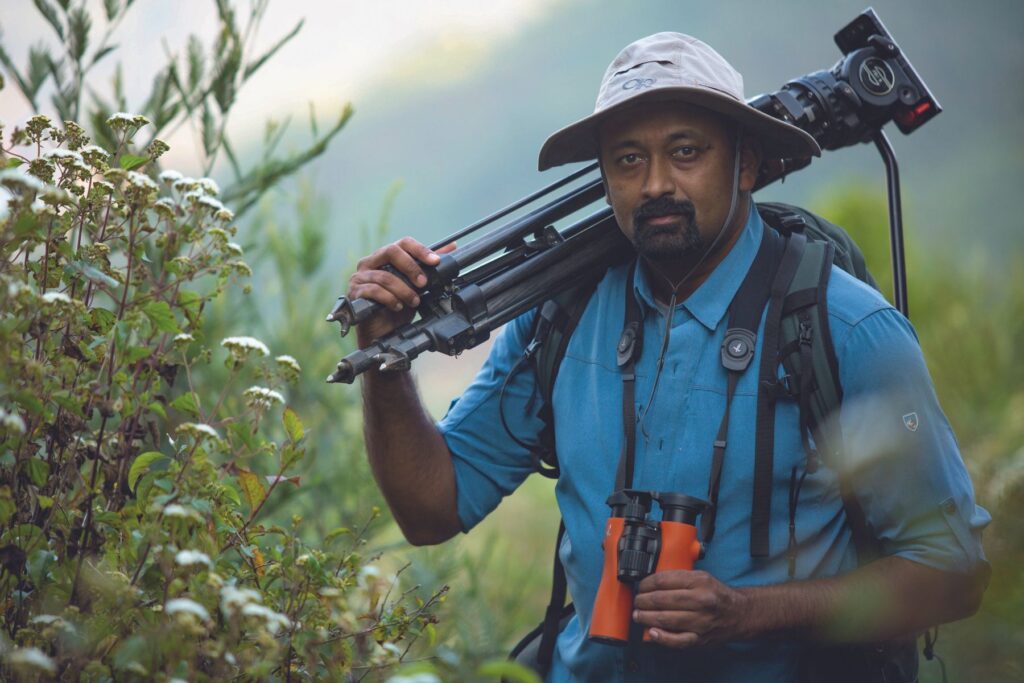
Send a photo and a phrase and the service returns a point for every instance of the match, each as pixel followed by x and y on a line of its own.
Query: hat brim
pixel 779 140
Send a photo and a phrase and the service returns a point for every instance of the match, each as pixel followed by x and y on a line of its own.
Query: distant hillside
pixel 464 146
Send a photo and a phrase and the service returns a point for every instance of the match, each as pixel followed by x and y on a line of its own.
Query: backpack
pixel 797 336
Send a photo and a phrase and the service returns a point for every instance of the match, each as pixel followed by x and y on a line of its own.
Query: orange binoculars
pixel 636 546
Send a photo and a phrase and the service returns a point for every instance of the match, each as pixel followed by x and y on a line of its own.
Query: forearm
pixel 889 598
pixel 409 459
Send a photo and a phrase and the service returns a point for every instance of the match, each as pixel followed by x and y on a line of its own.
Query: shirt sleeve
pixel 489 463
pixel 900 454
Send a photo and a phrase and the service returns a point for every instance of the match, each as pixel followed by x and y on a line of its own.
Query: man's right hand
pixel 408 455
pixel 370 281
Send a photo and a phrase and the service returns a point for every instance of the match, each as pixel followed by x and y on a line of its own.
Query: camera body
pixel 636 546
pixel 872 84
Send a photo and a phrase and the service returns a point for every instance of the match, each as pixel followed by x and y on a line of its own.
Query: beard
pixel 666 242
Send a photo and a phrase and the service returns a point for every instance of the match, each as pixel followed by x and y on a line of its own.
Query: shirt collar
pixel 711 300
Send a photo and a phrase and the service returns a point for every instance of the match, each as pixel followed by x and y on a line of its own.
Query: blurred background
pixel 452 101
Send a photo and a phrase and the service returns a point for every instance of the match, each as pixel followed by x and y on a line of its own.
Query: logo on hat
pixel 638 83
pixel 910 421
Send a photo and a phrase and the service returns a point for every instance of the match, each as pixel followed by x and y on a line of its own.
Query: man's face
pixel 668 171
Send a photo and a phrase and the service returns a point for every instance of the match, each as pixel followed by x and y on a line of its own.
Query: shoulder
pixel 858 313
pixel 875 345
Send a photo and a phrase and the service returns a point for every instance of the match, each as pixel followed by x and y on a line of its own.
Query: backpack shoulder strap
pixel 553 328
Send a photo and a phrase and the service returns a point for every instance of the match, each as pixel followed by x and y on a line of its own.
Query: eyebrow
pixel 681 134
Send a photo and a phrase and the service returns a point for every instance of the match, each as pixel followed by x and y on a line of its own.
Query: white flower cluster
pixel 63 155
pixel 186 606
pixel 142 181
pixel 241 346
pixel 262 397
pixel 288 363
pixel 54 297
pixel 32 657
pixel 187 558
pixel 15 180
pixel 246 601
pixel 95 150
pixel 12 421
pixel 198 429
pixel 183 338
pixel 123 119
pixel 421 677
pixel 170 176
pixel 182 511
pixel 235 248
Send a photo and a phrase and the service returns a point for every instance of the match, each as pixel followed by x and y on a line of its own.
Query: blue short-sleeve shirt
pixel 900 455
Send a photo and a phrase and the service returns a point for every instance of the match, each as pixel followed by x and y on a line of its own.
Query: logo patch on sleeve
pixel 910 421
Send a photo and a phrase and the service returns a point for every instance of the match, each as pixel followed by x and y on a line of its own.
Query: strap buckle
pixel 625 351
pixel 738 349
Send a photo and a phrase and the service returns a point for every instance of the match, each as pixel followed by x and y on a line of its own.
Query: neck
pixel 667 276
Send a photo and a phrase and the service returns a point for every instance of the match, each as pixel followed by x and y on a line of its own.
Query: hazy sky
pixel 343 48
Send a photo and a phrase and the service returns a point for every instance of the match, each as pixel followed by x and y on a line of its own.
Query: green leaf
pixel 38 471
pixel 103 319
pixel 162 317
pixel 243 433
pixel 130 162
pixel 49 13
pixel 14 163
pixel 7 506
pixel 262 59
pixel 158 408
pixel 136 353
pixel 232 493
pixel 29 402
pixel 510 671
pixel 293 425
pixel 79 24
pixel 142 465
pixel 252 488
pixel 334 533
pixel 111 7
pixel 64 400
pixel 186 403
pixel 91 272
pixel 191 303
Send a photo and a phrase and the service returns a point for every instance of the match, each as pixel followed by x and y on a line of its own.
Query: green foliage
pixel 969 316
pixel 148 525
pixel 133 537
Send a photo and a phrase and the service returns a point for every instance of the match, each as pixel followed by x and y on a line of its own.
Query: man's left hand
pixel 686 608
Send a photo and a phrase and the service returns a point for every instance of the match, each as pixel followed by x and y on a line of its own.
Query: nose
pixel 658 182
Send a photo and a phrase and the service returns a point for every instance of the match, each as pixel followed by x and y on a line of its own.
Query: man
pixel 679 152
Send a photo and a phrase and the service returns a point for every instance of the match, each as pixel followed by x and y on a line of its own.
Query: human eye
pixel 630 160
pixel 686 152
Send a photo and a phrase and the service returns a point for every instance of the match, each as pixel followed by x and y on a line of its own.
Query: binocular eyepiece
pixel 636 546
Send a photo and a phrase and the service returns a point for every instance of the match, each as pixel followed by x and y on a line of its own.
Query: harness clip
pixel 625 351
pixel 738 349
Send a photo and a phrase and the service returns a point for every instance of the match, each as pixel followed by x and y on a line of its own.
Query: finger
pixel 403 258
pixel 671 620
pixel 374 292
pixel 672 580
pixel 418 251
pixel 447 249
pixel 684 598
pixel 384 287
pixel 676 640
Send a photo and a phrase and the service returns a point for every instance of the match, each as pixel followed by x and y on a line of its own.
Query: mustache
pixel 663 206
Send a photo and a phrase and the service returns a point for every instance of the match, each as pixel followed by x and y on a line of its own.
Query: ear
pixel 750 162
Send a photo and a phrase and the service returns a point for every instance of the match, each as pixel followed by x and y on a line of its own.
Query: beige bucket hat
pixel 673 67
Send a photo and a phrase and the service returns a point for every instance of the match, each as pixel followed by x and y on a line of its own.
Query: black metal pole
pixel 892 174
